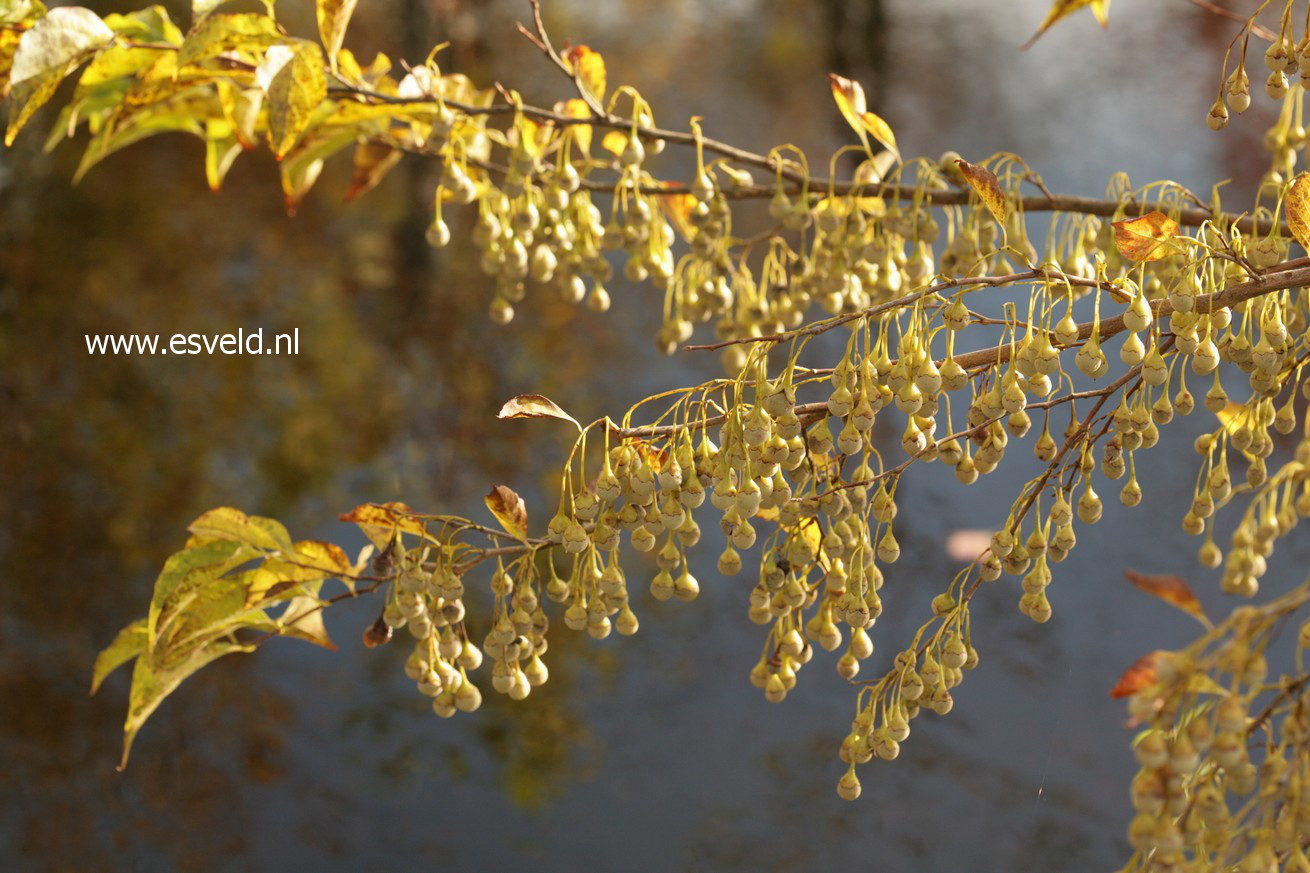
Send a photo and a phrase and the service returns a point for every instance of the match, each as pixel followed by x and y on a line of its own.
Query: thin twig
pixel 1256 29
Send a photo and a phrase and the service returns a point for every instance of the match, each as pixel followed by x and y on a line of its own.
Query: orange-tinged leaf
pixel 1172 590
pixel 1297 206
pixel 310 561
pixel 588 68
pixel 372 161
pixel 1137 677
pixel 678 208
pixel 509 510
pixel 1148 238
pixel 1064 8
pixel 534 406
pixel 988 188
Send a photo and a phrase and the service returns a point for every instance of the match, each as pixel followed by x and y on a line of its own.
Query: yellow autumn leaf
pixel 1147 238
pixel 1064 8
pixel 849 96
pixel 881 131
pixel 576 108
pixel 1297 206
pixel 678 208
pixel 529 134
pixel 812 535
pixel 615 142
pixel 589 69
pixel 380 521
pixel 988 188
pixel 333 16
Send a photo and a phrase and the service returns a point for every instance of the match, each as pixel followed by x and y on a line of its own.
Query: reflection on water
pixel 655 751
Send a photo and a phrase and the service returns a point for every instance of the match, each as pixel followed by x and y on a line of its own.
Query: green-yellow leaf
pixel 333 16
pixel 534 406
pixel 226 523
pixel 25 98
pixel 1064 8
pixel 1297 206
pixel 152 682
pixel 211 36
pixel 130 642
pixel 137 126
pixel 57 41
pixel 221 149
pixel 293 95
pixel 201 8
pixel 988 188
pixel 213 610
pixel 151 24
pixel 509 510
pixel 186 572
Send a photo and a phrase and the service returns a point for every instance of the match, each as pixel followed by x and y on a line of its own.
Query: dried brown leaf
pixel 509 510
pixel 988 188
pixel 1148 238
pixel 534 406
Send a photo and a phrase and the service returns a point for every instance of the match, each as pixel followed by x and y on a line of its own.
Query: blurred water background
pixel 650 753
